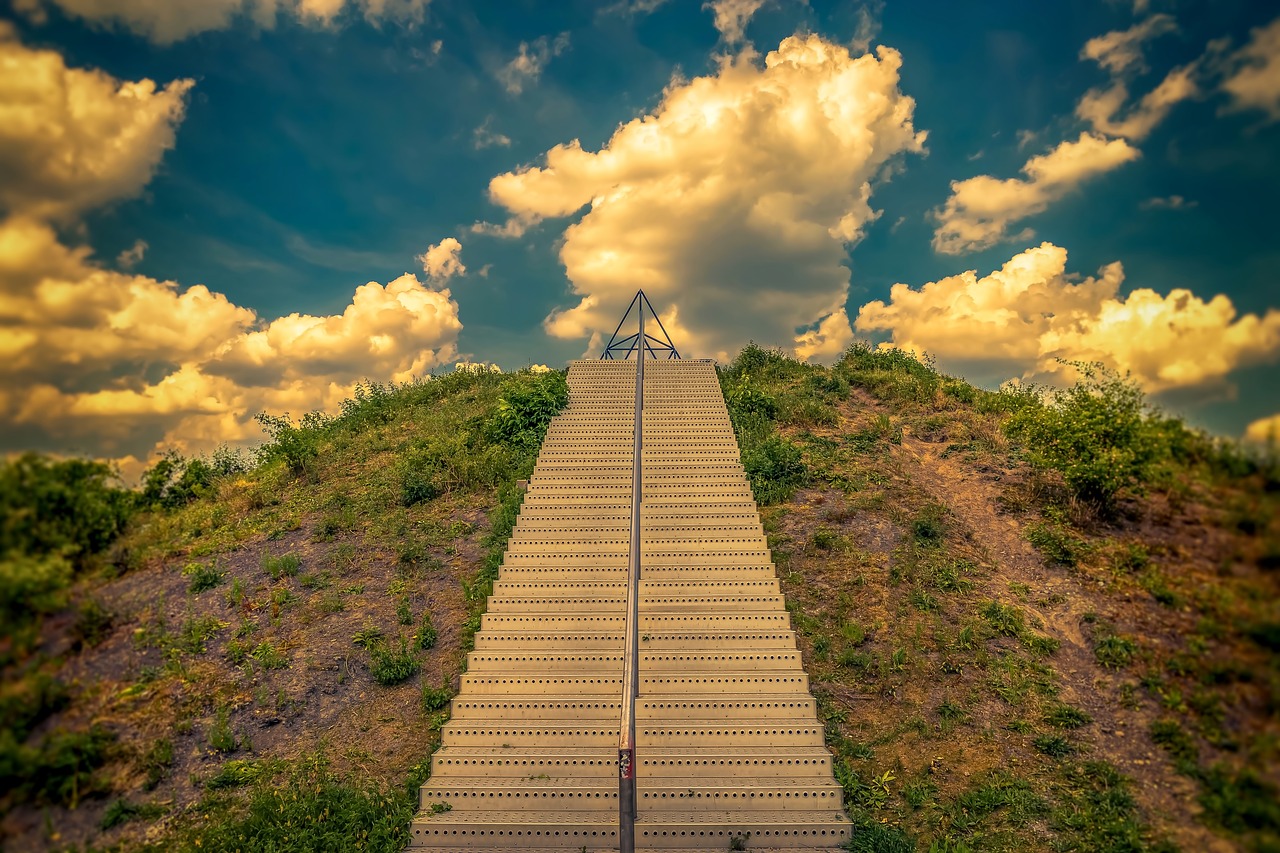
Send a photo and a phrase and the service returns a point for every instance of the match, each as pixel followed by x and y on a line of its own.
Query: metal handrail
pixel 631 643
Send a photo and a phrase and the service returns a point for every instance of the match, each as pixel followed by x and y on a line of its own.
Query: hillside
pixel 1029 626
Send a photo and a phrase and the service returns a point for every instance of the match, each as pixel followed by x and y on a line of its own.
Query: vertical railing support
pixel 631 642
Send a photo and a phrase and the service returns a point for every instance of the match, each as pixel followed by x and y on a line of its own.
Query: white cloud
pixel 1264 430
pixel 631 7
pixel 132 256
pixel 1121 50
pixel 443 261
pixel 981 210
pixel 116 364
pixel 1018 320
pixel 827 341
pixel 168 21
pixel 731 17
pixel 74 139
pixel 87 336
pixel 1173 202
pixel 732 204
pixel 529 61
pixel 485 137
pixel 1101 106
pixel 1252 74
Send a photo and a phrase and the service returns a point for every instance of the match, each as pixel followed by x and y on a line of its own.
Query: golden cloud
pixel 731 204
pixel 981 210
pixel 73 139
pixel 1021 319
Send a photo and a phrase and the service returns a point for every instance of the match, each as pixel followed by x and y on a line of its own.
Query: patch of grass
pixel 203 576
pixel 1064 716
pixel 425 637
pixel 1056 544
pixel 122 811
pixel 155 762
pixel 308 801
pixel 235 773
pixel 195 634
pixel 221 736
pixel 929 527
pixel 62 769
pixel 1004 618
pixel 404 613
pixel 1054 745
pixel 999 793
pixel 368 637
pixel 284 565
pixel 1114 651
pixel 1096 812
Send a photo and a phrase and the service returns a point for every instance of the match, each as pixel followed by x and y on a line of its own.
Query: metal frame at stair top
pixel 622 348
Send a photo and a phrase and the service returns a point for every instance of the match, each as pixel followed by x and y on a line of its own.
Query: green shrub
pixel 25 703
pixel 174 481
pixel 297 446
pixel 155 762
pixel 1067 717
pixel 31 586
pixel 1054 745
pixel 775 469
pixel 435 698
pixel 269 657
pixel 1100 434
pixel 389 666
pixel 221 736
pixel 195 634
pixel 528 403
pixel 61 770
pixel 417 485
pixel 69 507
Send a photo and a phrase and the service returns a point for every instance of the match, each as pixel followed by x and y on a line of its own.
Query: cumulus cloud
pixel 121 363
pixel 731 17
pixel 529 61
pixel 732 204
pixel 827 341
pixel 74 139
pixel 1019 320
pixel 1105 109
pixel 1252 74
pixel 981 210
pixel 1122 50
pixel 168 21
pixel 116 364
pixel 1264 430
pixel 443 261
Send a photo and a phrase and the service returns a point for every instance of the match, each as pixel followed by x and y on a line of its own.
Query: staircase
pixel 729 751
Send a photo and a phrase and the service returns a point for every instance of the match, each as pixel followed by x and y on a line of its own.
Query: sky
pixel 214 208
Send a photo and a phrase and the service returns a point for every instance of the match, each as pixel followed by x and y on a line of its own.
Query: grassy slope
pixel 985 693
pixel 980 692
pixel 238 658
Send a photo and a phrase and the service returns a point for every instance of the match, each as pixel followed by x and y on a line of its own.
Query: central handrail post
pixel 631 642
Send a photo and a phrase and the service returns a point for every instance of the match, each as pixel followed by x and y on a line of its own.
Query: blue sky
pixel 324 144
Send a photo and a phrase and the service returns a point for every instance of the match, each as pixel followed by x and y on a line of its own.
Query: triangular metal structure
pixel 622 348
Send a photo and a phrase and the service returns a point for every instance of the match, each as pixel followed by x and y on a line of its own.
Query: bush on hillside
pixel 68 507
pixel 175 481
pixel 529 402
pixel 1100 434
